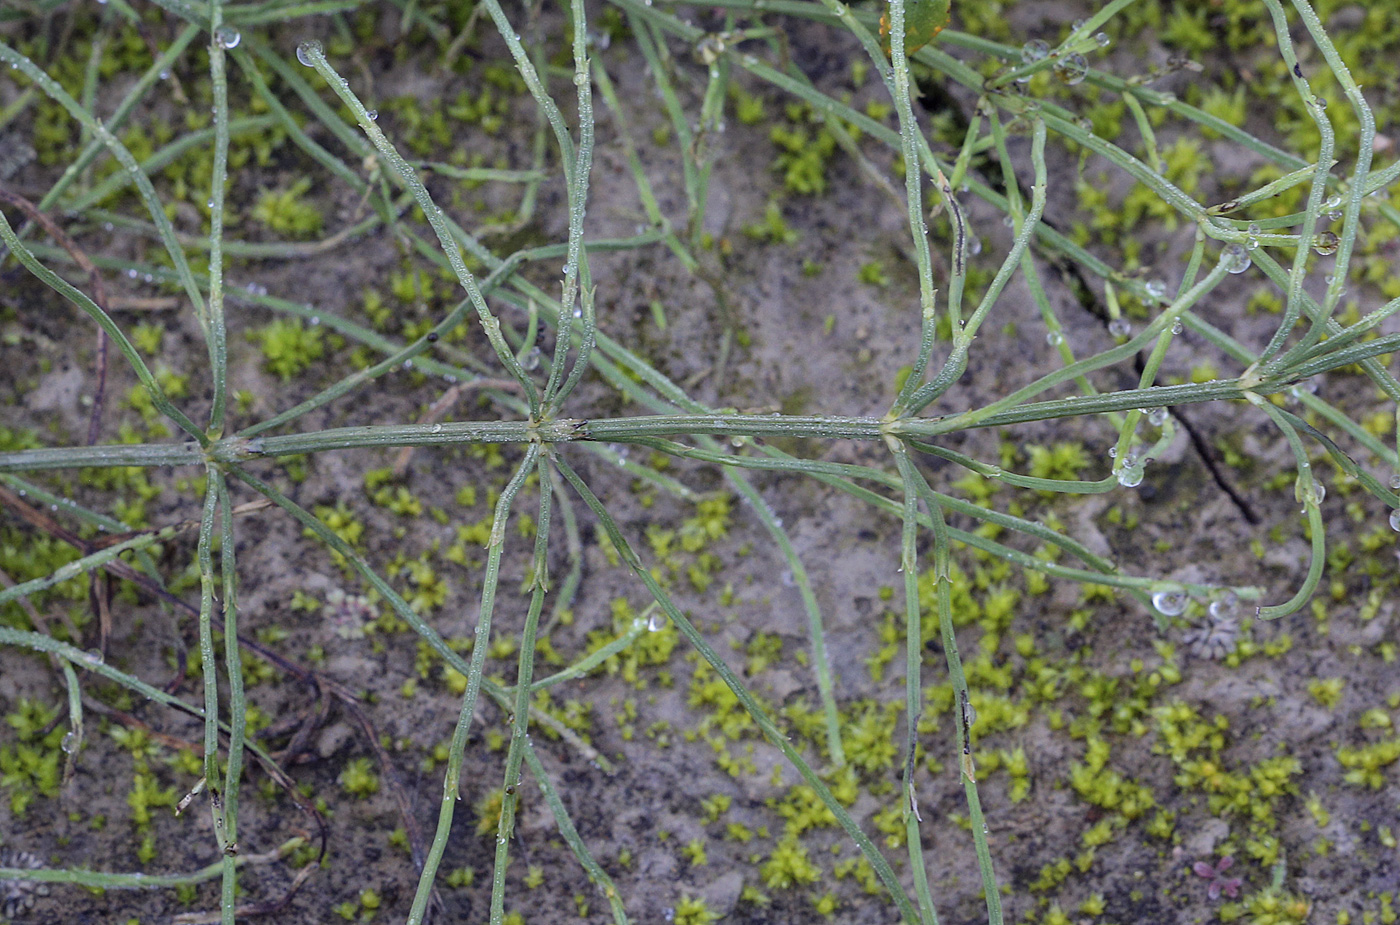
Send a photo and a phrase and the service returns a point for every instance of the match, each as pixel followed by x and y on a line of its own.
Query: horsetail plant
pixel 564 415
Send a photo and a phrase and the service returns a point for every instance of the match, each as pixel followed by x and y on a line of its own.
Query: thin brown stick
pixel 444 404
pixel 99 295
pixel 263 908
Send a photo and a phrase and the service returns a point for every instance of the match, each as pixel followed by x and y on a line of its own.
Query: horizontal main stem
pixel 236 449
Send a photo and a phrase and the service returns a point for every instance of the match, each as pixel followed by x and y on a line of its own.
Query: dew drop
pixel 93 656
pixel 1102 39
pixel 1395 520
pixel 308 52
pixel 1326 244
pixel 532 359
pixel 1071 69
pixel 69 743
pixel 974 245
pixel 1176 326
pixel 1113 452
pixel 1225 608
pixel 1235 259
pixel 656 622
pixel 372 114
pixel 437 428
pixel 1034 50
pixel 227 37
pixel 1157 289
pixel 1170 603
pixel 1054 338
pixel 1395 482
pixel 1131 477
pixel 1157 417
pixel 1120 327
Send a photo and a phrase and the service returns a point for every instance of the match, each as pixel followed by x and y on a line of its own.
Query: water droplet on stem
pixel 1170 603
pixel 309 51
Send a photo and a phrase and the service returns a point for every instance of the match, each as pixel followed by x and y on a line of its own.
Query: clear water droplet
pixel 1113 452
pixel 1235 259
pixel 1054 338
pixel 227 37
pixel 532 359
pixel 69 743
pixel 1157 289
pixel 1177 327
pixel 437 428
pixel 1395 520
pixel 1395 482
pixel 1326 244
pixel 372 114
pixel 93 657
pixel 1157 417
pixel 1120 327
pixel 656 622
pixel 1170 603
pixel 1102 39
pixel 1225 608
pixel 1072 69
pixel 308 52
pixel 1034 50
pixel 1131 477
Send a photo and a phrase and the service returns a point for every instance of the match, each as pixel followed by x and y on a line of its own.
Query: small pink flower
pixel 1215 873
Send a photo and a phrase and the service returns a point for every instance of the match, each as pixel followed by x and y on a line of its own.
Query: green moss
pixel 693 911
pixel 359 779
pixel 773 228
pixel 788 866
pixel 872 273
pixel 29 765
pixel 285 212
pixel 289 346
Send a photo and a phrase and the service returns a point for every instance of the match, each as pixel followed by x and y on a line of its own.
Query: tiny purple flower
pixel 1215 873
